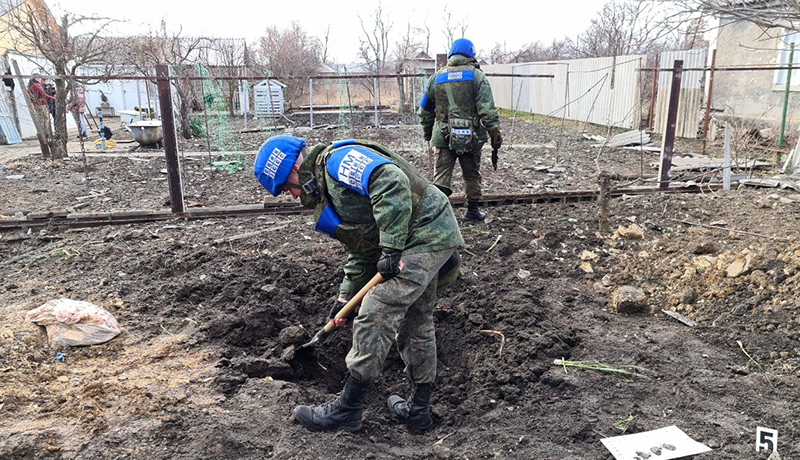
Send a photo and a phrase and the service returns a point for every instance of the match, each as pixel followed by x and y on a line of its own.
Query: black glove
pixel 337 307
pixel 338 304
pixel 427 137
pixel 497 139
pixel 389 263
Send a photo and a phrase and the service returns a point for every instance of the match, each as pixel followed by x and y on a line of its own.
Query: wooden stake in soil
pixel 602 200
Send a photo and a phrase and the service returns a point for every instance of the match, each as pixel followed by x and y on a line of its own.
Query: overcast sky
pixel 510 22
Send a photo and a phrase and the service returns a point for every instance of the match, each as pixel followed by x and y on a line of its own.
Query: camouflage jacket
pixel 471 92
pixel 399 209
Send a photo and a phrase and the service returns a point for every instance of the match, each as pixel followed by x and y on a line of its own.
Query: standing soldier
pixel 391 221
pixel 457 113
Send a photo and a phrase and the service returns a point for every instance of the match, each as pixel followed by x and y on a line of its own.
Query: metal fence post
pixel 170 139
pixel 375 86
pixel 668 142
pixel 708 102
pixel 786 97
pixel 726 162
pixel 311 102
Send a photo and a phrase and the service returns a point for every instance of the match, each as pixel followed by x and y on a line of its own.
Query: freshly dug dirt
pixel 206 366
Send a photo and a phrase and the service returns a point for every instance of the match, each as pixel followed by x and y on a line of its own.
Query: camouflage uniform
pixel 402 211
pixel 473 96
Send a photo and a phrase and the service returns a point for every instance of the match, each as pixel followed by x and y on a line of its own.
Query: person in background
pixel 76 105
pixel 458 114
pixel 50 90
pixel 39 99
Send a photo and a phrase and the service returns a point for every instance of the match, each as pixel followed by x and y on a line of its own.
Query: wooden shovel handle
pixel 354 302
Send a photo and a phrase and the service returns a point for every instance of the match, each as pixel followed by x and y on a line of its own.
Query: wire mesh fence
pixel 553 130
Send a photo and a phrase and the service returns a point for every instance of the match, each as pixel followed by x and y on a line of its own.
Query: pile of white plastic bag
pixel 74 322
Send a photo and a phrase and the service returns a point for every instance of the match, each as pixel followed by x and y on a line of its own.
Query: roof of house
pixel 422 56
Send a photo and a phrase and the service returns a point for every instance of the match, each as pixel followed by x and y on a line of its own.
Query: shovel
pixel 494 159
pixel 340 318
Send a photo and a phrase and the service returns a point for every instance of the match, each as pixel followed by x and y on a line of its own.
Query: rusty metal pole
pixel 650 116
pixel 668 142
pixel 708 102
pixel 170 139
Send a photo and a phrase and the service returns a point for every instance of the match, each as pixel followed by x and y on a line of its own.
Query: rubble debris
pixel 772 183
pixel 697 162
pixel 740 266
pixel 680 317
pixel 628 299
pixel 441 452
pixel 629 138
pixel 704 246
pixel 292 334
pixel 632 232
pixel 593 137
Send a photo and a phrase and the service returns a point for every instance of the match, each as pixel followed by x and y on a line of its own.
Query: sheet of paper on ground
pixel 665 443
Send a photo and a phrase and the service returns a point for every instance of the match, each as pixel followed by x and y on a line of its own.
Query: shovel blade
pixel 316 339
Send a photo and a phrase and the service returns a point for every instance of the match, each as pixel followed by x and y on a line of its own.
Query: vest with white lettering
pixel 461 80
pixel 351 163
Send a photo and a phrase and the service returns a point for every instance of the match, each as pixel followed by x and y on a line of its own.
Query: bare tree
pixel 182 53
pixel 374 45
pixel 32 29
pixel 405 50
pixel 627 27
pixel 532 52
pixel 766 13
pixel 375 42
pixel 289 52
pixel 325 42
pixel 228 60
pixel 426 31
pixel 450 30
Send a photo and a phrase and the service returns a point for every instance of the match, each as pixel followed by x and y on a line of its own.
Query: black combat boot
pixel 473 213
pixel 414 410
pixel 343 413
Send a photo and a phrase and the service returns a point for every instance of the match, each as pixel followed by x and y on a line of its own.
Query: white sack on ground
pixel 74 322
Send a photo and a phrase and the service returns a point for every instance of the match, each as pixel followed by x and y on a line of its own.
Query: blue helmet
pixel 463 47
pixel 275 160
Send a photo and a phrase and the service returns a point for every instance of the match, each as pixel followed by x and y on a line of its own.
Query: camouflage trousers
pixel 399 310
pixel 470 169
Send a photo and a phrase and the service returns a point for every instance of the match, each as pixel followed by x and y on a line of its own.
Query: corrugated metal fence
pixel 603 91
pixel 691 97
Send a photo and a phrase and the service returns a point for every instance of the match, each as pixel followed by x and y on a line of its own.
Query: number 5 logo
pixel 766 439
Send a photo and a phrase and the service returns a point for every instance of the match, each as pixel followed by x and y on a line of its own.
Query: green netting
pixel 345 128
pixel 219 132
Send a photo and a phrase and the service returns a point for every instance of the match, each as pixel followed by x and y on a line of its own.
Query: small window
pixel 784 49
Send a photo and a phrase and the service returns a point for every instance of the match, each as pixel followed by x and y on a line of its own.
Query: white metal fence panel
pixel 596 90
pixel 8 130
pixel 691 96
